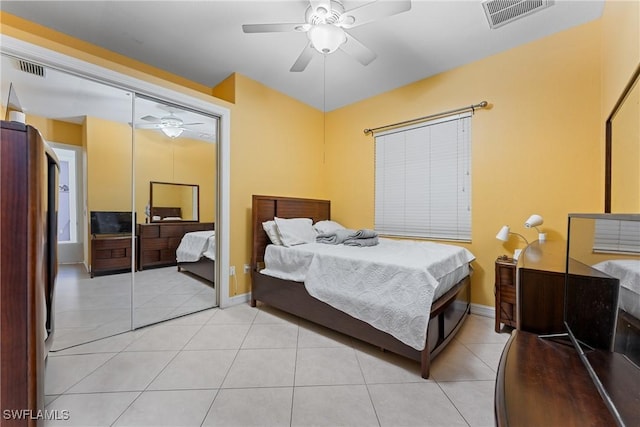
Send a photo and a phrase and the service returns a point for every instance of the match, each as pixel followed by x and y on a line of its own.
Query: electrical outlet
pixel 247 268
pixel 232 270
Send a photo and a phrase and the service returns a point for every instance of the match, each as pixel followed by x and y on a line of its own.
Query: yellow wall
pixel 276 149
pixel 536 150
pixel 109 154
pixel 56 130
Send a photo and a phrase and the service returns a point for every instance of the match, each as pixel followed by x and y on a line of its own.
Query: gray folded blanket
pixel 362 242
pixel 335 237
pixel 343 235
pixel 364 233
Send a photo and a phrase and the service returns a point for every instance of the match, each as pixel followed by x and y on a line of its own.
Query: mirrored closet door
pixel 175 196
pixel 88 125
pixel 138 175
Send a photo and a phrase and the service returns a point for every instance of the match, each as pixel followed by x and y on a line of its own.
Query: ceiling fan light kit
pixel 326 23
pixel 326 38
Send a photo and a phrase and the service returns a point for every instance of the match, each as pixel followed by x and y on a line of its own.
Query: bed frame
pixel 447 313
pixel 203 268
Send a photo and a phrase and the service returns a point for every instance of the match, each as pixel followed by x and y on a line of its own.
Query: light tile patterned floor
pixel 245 366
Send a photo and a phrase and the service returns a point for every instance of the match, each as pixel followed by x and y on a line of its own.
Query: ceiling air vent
pixel 501 12
pixel 32 68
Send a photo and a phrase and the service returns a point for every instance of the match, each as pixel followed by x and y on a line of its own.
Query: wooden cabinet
pixel 157 242
pixel 541 277
pixel 505 292
pixel 110 254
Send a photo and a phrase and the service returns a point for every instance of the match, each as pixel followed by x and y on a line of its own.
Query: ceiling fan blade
pixel 324 4
pixel 192 124
pixel 150 119
pixel 303 60
pixel 353 47
pixel 147 126
pixel 373 11
pixel 274 28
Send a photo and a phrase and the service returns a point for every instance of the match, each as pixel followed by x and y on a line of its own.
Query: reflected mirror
pixel 622 176
pixel 173 202
pixel 87 124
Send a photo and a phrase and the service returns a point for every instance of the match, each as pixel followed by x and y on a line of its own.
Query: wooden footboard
pixel 447 315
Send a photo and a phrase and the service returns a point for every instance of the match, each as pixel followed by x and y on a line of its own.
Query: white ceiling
pixel 203 40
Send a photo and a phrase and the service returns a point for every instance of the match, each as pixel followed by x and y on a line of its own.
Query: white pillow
pixel 295 231
pixel 271 229
pixel 327 226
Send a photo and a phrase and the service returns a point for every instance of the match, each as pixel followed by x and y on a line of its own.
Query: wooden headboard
pixel 265 208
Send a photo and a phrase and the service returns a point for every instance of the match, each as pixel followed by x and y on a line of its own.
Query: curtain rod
pixel 473 108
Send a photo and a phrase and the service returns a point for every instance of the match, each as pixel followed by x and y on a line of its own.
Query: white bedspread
pixel 195 245
pixel 628 272
pixel 390 286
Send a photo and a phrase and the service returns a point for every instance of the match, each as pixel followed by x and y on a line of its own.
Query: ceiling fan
pixel 326 22
pixel 171 125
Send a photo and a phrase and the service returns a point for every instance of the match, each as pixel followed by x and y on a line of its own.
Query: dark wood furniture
pixel 157 242
pixel 203 268
pixel 447 313
pixel 544 383
pixel 28 268
pixel 628 336
pixel 505 292
pixel 110 254
pixel 541 276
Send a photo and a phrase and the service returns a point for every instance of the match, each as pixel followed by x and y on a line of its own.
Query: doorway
pixel 71 202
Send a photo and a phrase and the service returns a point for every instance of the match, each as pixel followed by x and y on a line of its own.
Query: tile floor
pixel 245 366
pixel 89 308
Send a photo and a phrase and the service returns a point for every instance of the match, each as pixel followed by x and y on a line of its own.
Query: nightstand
pixel 505 292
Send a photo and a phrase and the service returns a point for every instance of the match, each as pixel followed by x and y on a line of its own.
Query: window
pixel 617 236
pixel 423 180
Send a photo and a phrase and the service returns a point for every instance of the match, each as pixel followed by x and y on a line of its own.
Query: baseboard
pixel 237 299
pixel 483 310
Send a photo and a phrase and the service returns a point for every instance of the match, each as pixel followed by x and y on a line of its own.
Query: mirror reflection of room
pixel 87 126
pixel 90 128
pixel 175 181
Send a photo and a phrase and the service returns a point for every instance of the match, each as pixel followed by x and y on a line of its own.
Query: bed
pixel 445 317
pixel 627 339
pixel 196 254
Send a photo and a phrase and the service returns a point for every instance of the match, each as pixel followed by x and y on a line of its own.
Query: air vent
pixel 32 68
pixel 502 12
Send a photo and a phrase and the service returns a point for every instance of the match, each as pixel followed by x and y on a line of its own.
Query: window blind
pixel 423 180
pixel 617 236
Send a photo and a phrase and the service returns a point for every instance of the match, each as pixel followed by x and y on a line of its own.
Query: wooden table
pixel 541 382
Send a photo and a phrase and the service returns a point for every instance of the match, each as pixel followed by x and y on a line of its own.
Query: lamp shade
pixel 533 221
pixel 326 38
pixel 503 234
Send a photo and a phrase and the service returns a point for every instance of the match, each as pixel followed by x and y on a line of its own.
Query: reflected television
pixel 111 222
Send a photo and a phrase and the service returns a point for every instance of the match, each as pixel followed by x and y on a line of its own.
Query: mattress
pixel 196 245
pixel 628 272
pixel 391 285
